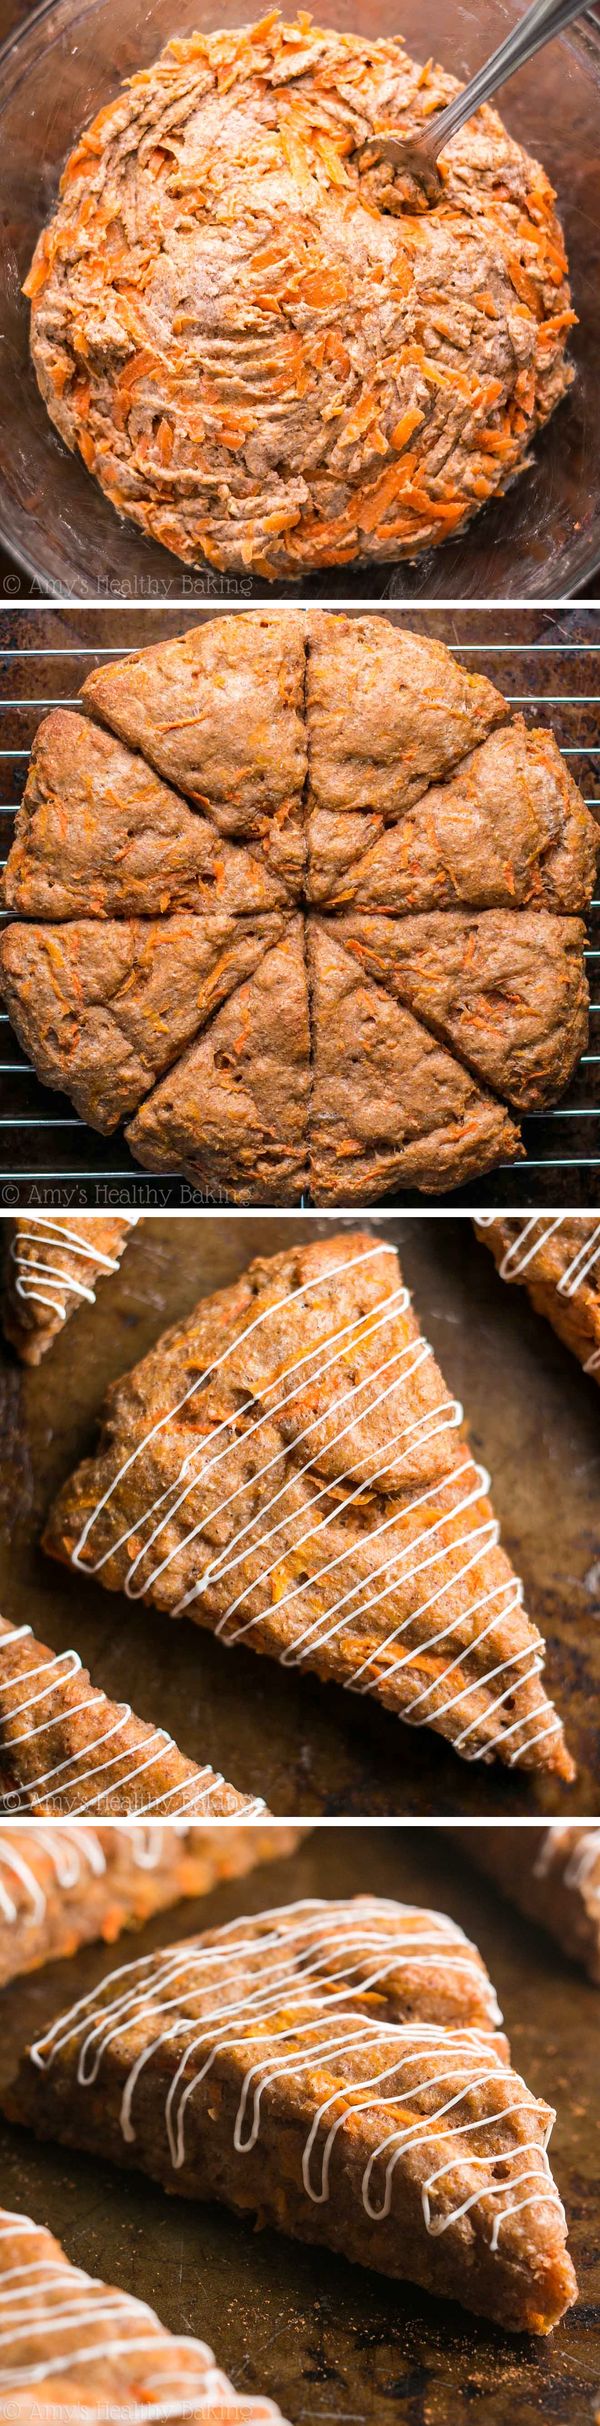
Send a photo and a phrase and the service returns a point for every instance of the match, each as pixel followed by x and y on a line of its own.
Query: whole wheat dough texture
pixel 263 347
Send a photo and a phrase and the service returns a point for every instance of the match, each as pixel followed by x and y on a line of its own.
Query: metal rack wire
pixel 48 1155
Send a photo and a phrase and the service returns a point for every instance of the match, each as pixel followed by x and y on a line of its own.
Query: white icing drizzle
pixel 67 1849
pixel 353 1405
pixel 192 1794
pixel 47 1284
pixel 532 1235
pixel 82 2322
pixel 234 1996
pixel 582 1865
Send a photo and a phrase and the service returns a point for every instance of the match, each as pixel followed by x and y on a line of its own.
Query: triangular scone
pixel 302 2065
pixel 288 1468
pixel 62 1887
pixel 98 835
pixel 76 2349
pixel 220 713
pixel 390 1106
pixel 52 1266
pixel 509 996
pixel 64 1747
pixel 556 1258
pixel 105 1006
pixel 508 828
pixel 388 712
pixel 233 1112
pixel 552 1875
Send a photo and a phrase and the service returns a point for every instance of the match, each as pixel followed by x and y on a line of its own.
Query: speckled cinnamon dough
pixel 265 351
pixel 298 899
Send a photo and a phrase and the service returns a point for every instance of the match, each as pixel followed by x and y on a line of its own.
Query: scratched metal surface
pixel 334 2345
pixel 542 540
pixel 547 662
pixel 309 1748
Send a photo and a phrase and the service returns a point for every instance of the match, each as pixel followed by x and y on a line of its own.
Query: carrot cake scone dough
pixel 263 348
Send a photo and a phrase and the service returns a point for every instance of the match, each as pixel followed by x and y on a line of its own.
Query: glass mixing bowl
pixel 541 541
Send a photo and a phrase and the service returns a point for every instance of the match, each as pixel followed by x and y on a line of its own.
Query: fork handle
pixel 541 22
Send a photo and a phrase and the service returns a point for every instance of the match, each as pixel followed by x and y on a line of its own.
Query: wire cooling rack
pixel 547 662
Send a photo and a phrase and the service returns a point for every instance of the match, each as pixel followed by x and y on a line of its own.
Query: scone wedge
pixel 289 1469
pixel 74 2349
pixel 556 1258
pixel 53 1265
pixel 336 2070
pixel 65 1748
pixel 63 1886
pixel 553 1876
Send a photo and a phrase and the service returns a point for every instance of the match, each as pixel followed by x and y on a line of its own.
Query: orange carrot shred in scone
pixel 61 1887
pixel 338 2070
pixel 241 325
pixel 289 1469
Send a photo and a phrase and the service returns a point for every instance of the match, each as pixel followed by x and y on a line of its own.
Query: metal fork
pixel 418 156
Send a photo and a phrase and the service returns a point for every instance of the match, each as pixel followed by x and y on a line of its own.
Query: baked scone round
pixel 269 352
pixel 302 903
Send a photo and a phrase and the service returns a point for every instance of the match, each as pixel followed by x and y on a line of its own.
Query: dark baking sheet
pixel 306 1747
pixel 334 2345
pixel 547 661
